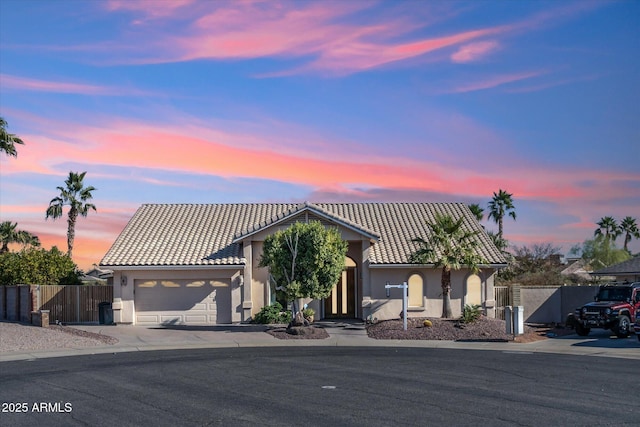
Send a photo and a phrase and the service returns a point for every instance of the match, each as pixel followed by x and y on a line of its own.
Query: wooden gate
pixel 74 303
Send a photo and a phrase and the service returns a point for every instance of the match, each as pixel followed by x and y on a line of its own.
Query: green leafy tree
pixel 449 246
pixel 305 260
pixel 630 230
pixel 37 266
pixel 8 140
pixel 500 205
pixel 477 211
pixel 600 252
pixel 607 227
pixel 75 195
pixel 9 233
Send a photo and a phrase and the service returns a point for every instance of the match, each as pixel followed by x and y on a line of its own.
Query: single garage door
pixel 182 302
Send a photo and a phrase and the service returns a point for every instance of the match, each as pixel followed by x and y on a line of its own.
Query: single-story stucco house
pixel 197 264
pixel 628 270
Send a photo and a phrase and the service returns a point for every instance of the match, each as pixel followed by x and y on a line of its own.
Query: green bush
pixel 272 314
pixel 471 313
pixel 38 266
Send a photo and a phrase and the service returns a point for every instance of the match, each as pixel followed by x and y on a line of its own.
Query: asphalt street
pixel 320 386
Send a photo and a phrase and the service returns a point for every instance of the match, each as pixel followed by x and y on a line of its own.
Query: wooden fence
pixel 67 304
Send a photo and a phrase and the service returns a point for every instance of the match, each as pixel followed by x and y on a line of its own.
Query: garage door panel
pixel 191 319
pixel 187 302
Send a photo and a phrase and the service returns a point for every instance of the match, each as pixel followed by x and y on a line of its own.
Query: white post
pixel 405 300
pixel 405 303
pixel 518 320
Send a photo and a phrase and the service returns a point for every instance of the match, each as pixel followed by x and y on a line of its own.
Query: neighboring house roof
pixel 630 266
pixel 99 273
pixel 211 234
pixel 579 268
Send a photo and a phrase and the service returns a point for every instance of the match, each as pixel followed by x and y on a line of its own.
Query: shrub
pixel 427 323
pixel 308 312
pixel 272 314
pixel 471 313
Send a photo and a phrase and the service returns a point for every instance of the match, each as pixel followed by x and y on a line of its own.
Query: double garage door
pixel 182 302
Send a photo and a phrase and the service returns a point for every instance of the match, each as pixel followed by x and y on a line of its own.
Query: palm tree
pixel 75 195
pixel 610 227
pixel 8 141
pixel 500 205
pixel 450 247
pixel 477 211
pixel 9 233
pixel 629 227
pixel 27 239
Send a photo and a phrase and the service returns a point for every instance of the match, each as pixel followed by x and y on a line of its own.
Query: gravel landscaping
pixel 484 329
pixel 21 337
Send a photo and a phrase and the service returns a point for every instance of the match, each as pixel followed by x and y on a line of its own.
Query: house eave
pixel 372 237
pixel 407 265
pixel 174 267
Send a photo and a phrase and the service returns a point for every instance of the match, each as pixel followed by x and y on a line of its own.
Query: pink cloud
pixel 474 51
pixel 8 81
pixel 216 153
pixel 495 81
pixel 327 31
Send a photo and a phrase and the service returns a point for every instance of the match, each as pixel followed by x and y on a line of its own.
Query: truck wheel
pixel 582 330
pixel 622 328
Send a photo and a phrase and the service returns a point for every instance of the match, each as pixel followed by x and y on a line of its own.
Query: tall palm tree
pixel 8 140
pixel 450 247
pixel 75 195
pixel 630 229
pixel 9 233
pixel 477 211
pixel 500 205
pixel 609 226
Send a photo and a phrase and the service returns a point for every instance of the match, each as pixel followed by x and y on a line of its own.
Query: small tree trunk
pixel 446 293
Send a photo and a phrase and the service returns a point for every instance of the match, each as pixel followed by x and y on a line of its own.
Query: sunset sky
pixel 190 101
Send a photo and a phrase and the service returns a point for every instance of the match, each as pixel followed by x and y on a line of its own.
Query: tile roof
pixel 630 266
pixel 210 234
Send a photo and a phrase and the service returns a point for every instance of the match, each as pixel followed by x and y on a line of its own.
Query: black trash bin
pixel 105 313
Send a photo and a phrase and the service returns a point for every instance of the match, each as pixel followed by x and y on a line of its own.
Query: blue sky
pixel 252 101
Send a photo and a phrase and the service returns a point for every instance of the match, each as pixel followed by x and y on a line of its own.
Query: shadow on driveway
pixel 216 328
pixel 600 338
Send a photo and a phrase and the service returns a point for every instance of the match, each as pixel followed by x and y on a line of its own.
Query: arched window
pixel 474 290
pixel 416 290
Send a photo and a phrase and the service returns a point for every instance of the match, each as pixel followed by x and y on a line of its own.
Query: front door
pixel 341 304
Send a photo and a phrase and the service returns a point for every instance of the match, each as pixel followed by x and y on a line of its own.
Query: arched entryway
pixel 341 304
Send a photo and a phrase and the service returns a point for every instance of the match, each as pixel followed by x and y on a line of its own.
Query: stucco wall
pixel 382 307
pixel 547 304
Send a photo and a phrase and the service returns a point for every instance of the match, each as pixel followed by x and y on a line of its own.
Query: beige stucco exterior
pixel 249 289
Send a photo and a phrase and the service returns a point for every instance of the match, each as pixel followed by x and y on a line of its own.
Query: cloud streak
pixel 474 51
pixel 8 81
pixel 495 81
